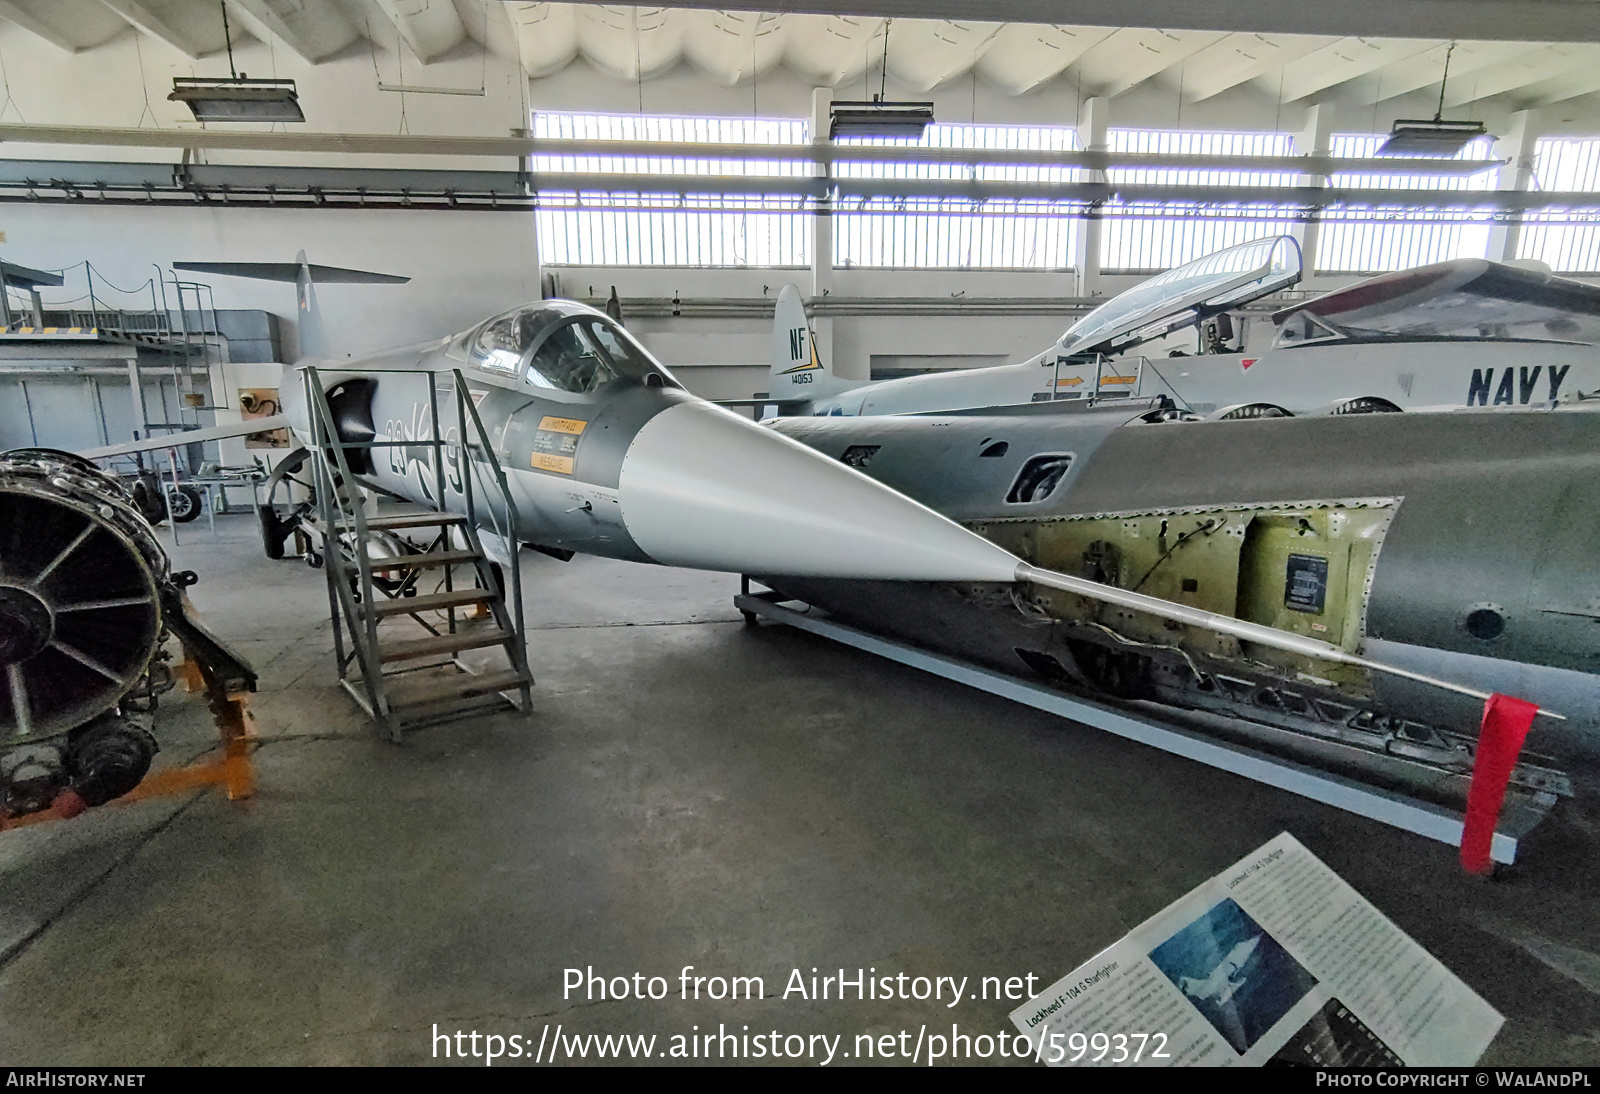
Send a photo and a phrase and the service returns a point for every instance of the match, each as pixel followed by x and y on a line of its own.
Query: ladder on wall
pixel 399 643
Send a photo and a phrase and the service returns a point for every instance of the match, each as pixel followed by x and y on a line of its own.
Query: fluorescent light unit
pixel 238 100
pixel 1433 137
pixel 904 121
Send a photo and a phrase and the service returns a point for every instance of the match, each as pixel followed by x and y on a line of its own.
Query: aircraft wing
pixel 1466 297
pixel 290 271
pixel 191 436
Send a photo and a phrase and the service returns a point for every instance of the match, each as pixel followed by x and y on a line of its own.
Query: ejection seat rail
pixel 341 512
pixel 1385 806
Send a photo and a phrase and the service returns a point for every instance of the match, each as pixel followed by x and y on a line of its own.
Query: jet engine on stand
pixel 87 600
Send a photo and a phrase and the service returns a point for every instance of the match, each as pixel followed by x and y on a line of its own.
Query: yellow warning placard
pixel 544 461
pixel 1118 380
pixel 562 425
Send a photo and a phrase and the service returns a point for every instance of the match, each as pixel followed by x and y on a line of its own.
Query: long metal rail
pixel 155 184
pixel 1521 815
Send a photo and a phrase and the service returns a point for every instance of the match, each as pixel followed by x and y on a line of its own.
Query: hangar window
pixel 1378 240
pixel 959 233
pixel 1154 236
pixel 1553 238
pixel 723 227
pixel 616 228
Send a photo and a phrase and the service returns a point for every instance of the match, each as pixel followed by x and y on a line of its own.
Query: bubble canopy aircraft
pixel 1467 332
pixel 605 453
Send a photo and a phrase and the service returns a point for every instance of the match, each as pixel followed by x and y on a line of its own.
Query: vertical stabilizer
pixel 308 316
pixel 798 371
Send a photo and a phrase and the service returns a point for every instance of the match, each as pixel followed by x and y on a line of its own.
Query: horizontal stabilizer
pixel 784 403
pixel 1059 406
pixel 189 436
pixel 290 271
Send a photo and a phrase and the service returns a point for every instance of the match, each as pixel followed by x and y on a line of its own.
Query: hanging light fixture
pixel 1419 137
pixel 896 121
pixel 238 98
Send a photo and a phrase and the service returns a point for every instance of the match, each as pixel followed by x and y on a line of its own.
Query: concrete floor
pixel 687 792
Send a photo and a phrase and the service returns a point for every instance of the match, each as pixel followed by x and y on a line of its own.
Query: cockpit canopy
pixel 561 345
pixel 1186 295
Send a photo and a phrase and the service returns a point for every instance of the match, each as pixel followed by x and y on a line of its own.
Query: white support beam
pixel 525 145
pixel 1094 125
pixel 1525 70
pixel 36 26
pixel 1129 57
pixel 1521 142
pixel 1239 58
pixel 315 32
pixel 1347 59
pixel 156 25
pixel 1314 139
pixel 822 255
pixel 430 29
pixel 1480 20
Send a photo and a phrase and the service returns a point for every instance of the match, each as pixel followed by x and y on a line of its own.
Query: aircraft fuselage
pixel 1461 545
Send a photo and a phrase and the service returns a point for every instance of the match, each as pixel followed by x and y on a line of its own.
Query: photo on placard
pixel 1335 1037
pixel 1234 973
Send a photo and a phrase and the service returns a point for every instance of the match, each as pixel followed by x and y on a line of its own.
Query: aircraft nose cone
pixel 704 488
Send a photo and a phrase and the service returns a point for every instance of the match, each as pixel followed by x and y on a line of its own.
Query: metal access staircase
pixel 398 642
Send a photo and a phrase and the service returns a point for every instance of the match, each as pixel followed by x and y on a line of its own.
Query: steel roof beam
pixel 798 153
pixel 31 23
pixel 1487 20
pixel 80 179
pixel 151 22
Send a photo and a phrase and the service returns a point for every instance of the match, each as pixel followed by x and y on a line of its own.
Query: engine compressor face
pixel 80 611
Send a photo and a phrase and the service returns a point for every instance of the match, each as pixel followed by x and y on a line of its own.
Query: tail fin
pixel 308 316
pixel 798 371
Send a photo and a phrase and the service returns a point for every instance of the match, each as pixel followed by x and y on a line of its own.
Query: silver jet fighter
pixel 1221 985
pixel 1460 547
pixel 606 454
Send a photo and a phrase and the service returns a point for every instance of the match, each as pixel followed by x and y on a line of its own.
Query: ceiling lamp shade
pixel 238 99
pixel 903 121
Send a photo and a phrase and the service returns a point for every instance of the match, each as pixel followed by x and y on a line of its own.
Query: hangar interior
pixel 688 790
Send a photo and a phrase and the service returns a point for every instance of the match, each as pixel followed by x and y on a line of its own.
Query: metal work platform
pixel 149 339
pixel 396 657
pixel 1520 816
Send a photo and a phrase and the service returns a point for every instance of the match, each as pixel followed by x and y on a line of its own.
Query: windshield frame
pixel 547 317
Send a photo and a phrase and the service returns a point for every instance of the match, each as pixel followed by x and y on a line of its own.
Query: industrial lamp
pixel 237 98
pixel 1436 137
pixel 896 121
pixel 906 121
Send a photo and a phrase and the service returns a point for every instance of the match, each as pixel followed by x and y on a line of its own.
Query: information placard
pixel 1276 959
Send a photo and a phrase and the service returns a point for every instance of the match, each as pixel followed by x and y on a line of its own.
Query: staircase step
pixel 407 520
pixel 404 605
pixel 460 686
pixel 410 648
pixel 424 562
